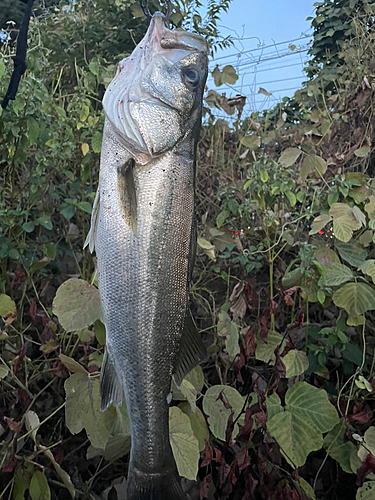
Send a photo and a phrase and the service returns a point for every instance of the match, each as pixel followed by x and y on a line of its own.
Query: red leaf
pixel 20 357
pixel 33 310
pixel 368 465
pixel 229 430
pixel 244 434
pixel 243 461
pixel 13 426
pixel 360 414
pixel 205 487
pixel 218 457
pixel 207 455
pixel 250 340
pixel 264 329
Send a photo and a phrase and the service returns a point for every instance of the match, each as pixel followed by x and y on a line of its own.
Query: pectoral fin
pixel 192 350
pixel 91 237
pixel 127 194
pixel 110 384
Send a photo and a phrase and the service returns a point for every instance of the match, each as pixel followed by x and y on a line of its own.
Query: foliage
pixel 284 287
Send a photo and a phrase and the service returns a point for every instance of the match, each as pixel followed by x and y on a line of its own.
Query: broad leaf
pixel 76 304
pixel 273 404
pixel 296 435
pixel 337 448
pixel 337 274
pixel 184 444
pixel 326 256
pixel 198 424
pixel 362 152
pixel 313 164
pixel 39 489
pixel 352 253
pixel 266 351
pixel 295 362
pixel 216 411
pixel 319 222
pixel 355 298
pixel 82 409
pixel 96 142
pixel 366 491
pixel 289 156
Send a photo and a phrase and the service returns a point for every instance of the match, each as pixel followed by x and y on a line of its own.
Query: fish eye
pixel 191 76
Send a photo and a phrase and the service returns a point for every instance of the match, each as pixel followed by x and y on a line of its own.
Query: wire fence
pixel 268 67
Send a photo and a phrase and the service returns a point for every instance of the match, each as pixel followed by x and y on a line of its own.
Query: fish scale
pixel 143 232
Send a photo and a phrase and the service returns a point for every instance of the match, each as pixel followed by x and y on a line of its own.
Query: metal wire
pixel 147 13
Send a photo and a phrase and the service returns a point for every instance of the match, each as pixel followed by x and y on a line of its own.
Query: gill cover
pixel 153 96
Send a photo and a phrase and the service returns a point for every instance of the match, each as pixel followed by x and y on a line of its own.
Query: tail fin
pixel 154 486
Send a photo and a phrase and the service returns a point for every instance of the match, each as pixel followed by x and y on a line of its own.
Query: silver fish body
pixel 143 232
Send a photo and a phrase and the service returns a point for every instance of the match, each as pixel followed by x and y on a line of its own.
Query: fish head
pixel 155 98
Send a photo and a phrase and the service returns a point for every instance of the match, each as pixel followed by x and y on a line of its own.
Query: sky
pixel 270 49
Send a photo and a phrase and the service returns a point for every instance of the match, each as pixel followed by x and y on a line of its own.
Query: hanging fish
pixel 143 230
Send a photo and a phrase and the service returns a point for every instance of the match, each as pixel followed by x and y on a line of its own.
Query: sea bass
pixel 143 230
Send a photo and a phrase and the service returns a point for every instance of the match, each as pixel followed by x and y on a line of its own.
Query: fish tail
pixel 154 486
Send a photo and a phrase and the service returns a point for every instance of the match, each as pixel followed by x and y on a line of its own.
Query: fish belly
pixel 143 288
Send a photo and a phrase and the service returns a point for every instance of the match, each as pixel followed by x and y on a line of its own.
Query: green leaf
pixel 72 365
pixel 28 227
pixel 76 304
pixel 2 68
pixel 84 113
pixel 100 333
pixel 68 212
pixel 228 329
pixel 4 370
pixel 85 206
pixel 355 298
pixel 20 483
pixel 291 197
pixel 352 253
pixel 7 305
pixel 94 68
pixel 85 148
pixel 368 445
pixel 325 255
pixel 295 362
pixel 96 142
pixel 352 352
pixel 313 164
pixel 359 215
pixel 366 491
pixel 39 264
pixel 263 175
pixel 39 489
pixel 207 247
pixel 337 448
pixel 306 488
pixel 266 351
pixel 198 424
pixel 362 152
pixel 337 274
pixel 319 222
pixel 82 409
pixel 251 141
pixel 296 436
pixel 298 429
pixel 366 238
pixel 45 221
pixel 273 404
pixel 32 130
pixel 289 156
pixel 217 413
pixel 229 75
pixel 313 404
pixel 184 444
pixel 222 217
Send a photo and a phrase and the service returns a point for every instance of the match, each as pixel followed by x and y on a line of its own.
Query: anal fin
pixel 127 194
pixel 110 384
pixel 192 350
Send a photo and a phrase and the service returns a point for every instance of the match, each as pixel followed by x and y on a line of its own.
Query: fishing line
pixel 20 57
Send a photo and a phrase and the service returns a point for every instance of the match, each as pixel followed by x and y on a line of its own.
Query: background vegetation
pixel 284 288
